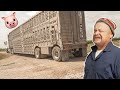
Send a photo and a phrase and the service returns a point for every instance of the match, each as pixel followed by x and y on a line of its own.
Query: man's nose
pixel 97 32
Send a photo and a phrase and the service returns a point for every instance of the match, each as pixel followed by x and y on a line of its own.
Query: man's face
pixel 102 33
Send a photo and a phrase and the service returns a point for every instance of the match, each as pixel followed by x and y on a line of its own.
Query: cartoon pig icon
pixel 10 21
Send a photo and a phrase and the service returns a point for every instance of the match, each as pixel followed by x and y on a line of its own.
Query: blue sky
pixel 90 18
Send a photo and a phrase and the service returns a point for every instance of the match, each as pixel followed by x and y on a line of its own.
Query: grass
pixel 2 49
pixel 116 42
pixel 114 39
pixel 89 42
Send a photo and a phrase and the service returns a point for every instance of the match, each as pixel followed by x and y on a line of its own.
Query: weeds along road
pixel 27 67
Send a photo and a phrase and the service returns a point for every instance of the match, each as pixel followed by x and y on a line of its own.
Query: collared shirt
pixel 97 53
pixel 105 66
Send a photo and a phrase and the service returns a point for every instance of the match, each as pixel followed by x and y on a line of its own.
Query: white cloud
pixel 8 12
pixel 90 18
pixel 32 13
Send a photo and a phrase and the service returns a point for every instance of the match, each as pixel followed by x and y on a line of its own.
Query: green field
pixel 116 41
pixel 2 49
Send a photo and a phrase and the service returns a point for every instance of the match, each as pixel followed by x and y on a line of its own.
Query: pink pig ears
pixel 14 13
pixel 3 18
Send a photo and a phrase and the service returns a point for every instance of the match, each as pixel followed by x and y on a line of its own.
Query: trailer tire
pixel 12 52
pixel 78 53
pixel 56 54
pixel 37 53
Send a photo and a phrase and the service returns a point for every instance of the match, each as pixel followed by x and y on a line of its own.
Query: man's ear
pixel 111 36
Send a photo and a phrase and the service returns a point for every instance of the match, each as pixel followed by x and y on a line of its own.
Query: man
pixel 103 62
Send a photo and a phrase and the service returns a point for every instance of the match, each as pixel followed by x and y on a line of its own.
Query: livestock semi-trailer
pixel 55 33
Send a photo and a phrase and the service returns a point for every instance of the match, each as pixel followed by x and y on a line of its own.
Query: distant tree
pixel 5 43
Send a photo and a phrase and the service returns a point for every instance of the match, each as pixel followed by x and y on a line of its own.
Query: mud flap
pixel 65 55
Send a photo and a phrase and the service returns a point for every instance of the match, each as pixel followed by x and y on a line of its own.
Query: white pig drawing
pixel 10 21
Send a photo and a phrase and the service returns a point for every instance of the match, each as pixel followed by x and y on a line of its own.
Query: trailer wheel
pixel 37 53
pixel 56 53
pixel 78 53
pixel 12 52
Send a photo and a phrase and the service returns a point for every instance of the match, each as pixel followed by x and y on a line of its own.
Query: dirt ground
pixel 27 67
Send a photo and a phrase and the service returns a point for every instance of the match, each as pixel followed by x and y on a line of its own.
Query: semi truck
pixel 54 33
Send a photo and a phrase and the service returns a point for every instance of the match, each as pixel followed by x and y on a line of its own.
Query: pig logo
pixel 10 21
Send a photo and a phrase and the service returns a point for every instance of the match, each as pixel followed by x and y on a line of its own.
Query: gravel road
pixel 27 67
